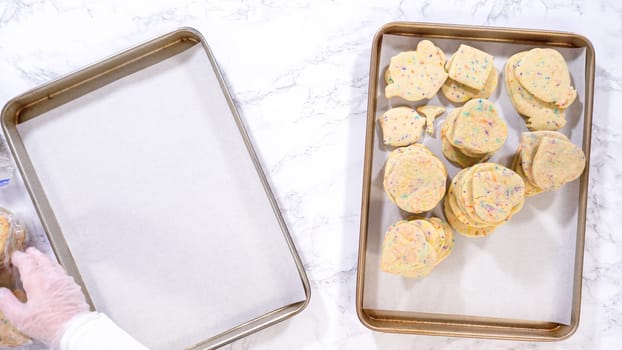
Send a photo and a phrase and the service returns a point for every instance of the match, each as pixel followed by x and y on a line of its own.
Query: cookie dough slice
pixel 544 73
pixel 401 126
pixel 539 115
pixel 417 75
pixel 471 67
pixel 556 163
pixel 430 112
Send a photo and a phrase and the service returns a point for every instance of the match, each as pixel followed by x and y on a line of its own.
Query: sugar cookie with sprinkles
pixel 478 129
pixel 416 75
pixel 401 126
pixel 413 248
pixel 544 73
pixel 454 154
pixel 414 178
pixel 471 67
pixel 556 163
pixel 483 197
pixel 529 143
pixel 457 92
pixel 539 115
pixel 547 160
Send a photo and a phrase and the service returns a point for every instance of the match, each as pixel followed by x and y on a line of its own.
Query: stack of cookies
pixel 546 160
pixel 538 83
pixel 483 197
pixel 414 178
pixel 412 248
pixel 471 134
pixel 471 75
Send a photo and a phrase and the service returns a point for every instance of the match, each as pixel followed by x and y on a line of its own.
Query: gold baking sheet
pixel 433 318
pixel 151 194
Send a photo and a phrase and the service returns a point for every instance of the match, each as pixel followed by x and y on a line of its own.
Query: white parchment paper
pixel 161 205
pixel 524 270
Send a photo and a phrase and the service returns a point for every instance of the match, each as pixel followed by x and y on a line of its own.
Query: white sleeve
pixel 95 331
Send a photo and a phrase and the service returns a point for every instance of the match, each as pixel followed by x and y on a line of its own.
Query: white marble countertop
pixel 298 71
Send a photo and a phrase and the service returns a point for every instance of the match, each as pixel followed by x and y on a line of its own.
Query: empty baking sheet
pixel 161 204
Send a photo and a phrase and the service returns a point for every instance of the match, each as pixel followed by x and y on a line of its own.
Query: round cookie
pixel 539 115
pixel 406 251
pixel 415 183
pixel 417 75
pixel 556 163
pixel 478 129
pixel 401 126
pixel 544 73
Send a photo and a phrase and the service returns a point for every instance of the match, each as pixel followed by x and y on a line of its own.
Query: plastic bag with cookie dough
pixel 12 237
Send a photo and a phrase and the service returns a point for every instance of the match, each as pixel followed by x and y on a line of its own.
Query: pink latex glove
pixel 53 298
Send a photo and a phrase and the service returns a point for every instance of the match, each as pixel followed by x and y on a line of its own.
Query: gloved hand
pixel 53 298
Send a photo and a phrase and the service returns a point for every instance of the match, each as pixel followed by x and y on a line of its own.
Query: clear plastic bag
pixel 13 237
pixel 6 166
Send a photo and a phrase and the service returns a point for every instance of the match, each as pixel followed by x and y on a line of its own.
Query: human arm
pixel 56 312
